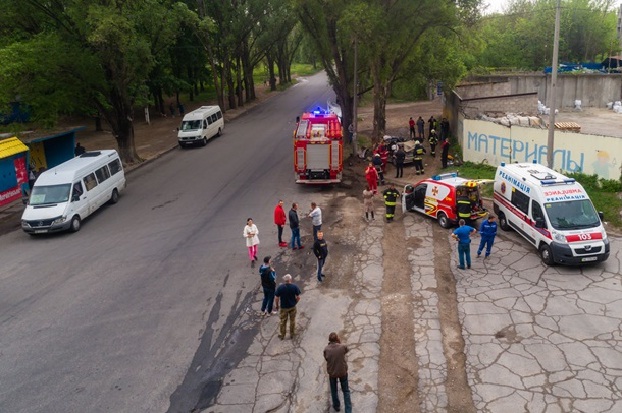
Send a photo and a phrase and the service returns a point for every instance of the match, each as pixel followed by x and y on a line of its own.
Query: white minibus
pixel 200 125
pixel 66 194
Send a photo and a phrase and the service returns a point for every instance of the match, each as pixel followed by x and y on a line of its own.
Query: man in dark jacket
pixel 337 368
pixel 268 283
pixel 400 157
pixel 320 250
pixel 464 207
pixel 445 154
pixel 390 195
pixel 294 225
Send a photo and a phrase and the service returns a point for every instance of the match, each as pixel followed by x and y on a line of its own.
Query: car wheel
pixel 114 197
pixel 443 221
pixel 503 222
pixel 546 254
pixel 204 142
pixel 76 224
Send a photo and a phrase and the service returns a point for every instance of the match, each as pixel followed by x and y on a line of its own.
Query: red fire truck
pixel 318 148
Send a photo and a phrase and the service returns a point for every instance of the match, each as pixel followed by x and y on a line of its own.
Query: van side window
pixel 219 114
pixel 102 174
pixel 208 120
pixel 214 118
pixel 90 182
pixel 536 211
pixel 77 189
pixel 114 166
pixel 520 201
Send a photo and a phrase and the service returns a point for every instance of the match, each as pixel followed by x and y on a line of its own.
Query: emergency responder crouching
pixel 391 195
pixel 418 157
pixel 464 207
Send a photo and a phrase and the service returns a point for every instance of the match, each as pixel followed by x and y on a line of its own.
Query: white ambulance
pixel 552 212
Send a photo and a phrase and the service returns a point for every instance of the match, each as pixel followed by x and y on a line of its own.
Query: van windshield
pixel 189 125
pixel 576 214
pixel 52 194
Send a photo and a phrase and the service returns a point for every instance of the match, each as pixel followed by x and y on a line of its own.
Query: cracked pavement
pixel 523 337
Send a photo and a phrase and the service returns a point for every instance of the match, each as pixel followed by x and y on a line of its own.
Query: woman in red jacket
pixel 279 220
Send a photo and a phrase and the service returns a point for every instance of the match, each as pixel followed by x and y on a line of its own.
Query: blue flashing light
pixel 445 176
pixel 534 161
pixel 502 163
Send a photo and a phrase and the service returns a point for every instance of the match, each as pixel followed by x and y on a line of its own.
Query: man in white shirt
pixel 316 219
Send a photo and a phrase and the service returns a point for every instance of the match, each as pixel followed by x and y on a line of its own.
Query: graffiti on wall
pixel 574 152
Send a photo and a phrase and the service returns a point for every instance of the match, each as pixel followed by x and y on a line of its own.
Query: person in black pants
pixel 445 146
pixel 400 157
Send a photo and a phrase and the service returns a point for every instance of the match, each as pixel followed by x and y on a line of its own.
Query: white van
pixel 66 194
pixel 200 125
pixel 552 212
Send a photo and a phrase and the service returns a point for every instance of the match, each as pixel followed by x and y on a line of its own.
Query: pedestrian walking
pixel 411 127
pixel 287 296
pixel 268 283
pixel 337 368
pixel 445 154
pixel 391 195
pixel 462 234
pixel 252 240
pixel 279 220
pixel 316 219
pixel 181 109
pixel 420 127
pixel 350 133
pixel 294 225
pixel 418 158
pixel 368 203
pixel 400 157
pixel 320 250
pixel 433 139
pixel 371 176
pixel 488 232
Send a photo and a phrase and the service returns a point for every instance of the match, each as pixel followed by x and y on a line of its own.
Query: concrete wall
pixel 491 143
pixel 592 89
pixel 473 90
pixel 526 104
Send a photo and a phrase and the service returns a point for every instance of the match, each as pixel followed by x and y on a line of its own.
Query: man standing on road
pixel 445 154
pixel 320 250
pixel 337 368
pixel 316 219
pixel 433 141
pixel 287 296
pixel 488 231
pixel 411 127
pixel 268 283
pixel 294 225
pixel 279 220
pixel 462 234
pixel 391 195
pixel 420 127
pixel 418 157
pixel 400 157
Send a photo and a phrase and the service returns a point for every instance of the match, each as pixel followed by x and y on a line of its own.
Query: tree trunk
pixel 240 86
pixel 380 101
pixel 270 65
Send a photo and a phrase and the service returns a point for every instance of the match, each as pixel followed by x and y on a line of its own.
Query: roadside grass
pixel 604 193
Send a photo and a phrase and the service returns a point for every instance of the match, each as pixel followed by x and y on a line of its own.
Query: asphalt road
pixel 130 314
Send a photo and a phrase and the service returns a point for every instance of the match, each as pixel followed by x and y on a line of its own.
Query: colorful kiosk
pixel 13 170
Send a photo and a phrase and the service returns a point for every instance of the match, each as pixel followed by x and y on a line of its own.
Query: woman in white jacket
pixel 252 240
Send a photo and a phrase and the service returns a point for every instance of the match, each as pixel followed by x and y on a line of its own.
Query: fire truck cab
pixel 437 197
pixel 318 148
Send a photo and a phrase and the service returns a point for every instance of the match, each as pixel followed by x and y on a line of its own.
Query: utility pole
pixel 551 141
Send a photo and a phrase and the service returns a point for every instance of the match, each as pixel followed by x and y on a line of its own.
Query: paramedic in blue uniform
pixel 487 231
pixel 463 235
